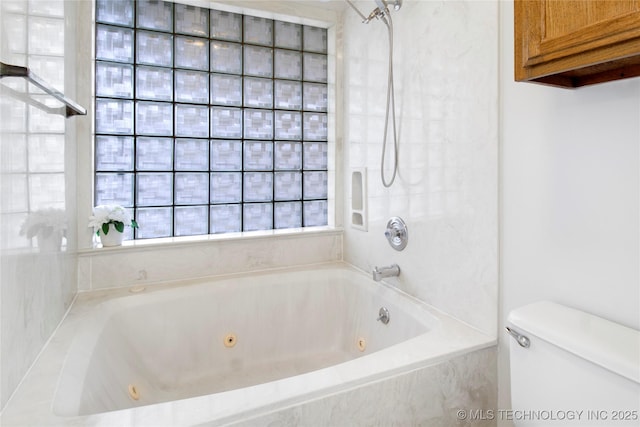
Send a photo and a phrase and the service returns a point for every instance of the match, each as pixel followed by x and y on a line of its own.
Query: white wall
pixel 37 174
pixel 570 197
pixel 445 65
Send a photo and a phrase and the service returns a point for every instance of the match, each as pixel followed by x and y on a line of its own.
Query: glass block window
pixel 209 121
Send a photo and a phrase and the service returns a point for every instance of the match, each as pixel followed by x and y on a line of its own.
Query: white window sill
pixel 172 242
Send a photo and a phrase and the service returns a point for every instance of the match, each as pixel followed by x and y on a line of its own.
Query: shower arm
pixel 378 12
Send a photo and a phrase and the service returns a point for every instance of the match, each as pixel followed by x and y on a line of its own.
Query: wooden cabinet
pixel 573 43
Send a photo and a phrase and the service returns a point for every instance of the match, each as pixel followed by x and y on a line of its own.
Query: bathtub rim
pixel 43 377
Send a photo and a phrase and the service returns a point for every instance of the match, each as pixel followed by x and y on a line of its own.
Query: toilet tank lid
pixel 613 346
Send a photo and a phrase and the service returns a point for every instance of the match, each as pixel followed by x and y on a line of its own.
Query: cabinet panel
pixel 564 17
pixel 574 43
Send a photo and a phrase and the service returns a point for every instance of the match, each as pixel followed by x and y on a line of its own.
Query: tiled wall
pixel 37 201
pixel 445 68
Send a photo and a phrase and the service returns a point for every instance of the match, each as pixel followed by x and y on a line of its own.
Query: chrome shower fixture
pixel 397 4
pixel 380 11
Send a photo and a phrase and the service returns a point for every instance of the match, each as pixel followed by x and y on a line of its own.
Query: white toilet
pixel 570 368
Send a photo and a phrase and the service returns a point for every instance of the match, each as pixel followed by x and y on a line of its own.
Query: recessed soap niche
pixel 359 199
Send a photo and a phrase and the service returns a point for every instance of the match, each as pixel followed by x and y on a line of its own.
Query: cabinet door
pixel 576 42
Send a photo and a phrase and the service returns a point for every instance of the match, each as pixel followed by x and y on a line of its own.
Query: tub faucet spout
pixel 380 273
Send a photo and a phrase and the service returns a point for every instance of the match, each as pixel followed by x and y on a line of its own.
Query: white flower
pixel 110 214
pixel 99 217
pixel 118 213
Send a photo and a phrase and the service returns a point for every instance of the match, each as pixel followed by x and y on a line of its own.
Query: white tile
pixel 446 189
pixel 39 272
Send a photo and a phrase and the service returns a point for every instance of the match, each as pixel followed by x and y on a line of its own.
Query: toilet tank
pixel 578 369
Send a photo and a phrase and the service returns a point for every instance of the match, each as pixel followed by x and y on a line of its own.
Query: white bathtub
pixel 220 350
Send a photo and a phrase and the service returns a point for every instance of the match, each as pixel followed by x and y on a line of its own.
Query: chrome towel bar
pixel 70 107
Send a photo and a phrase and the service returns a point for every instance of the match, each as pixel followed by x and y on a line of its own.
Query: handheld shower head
pixel 382 12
